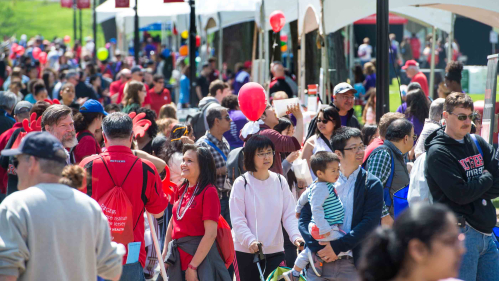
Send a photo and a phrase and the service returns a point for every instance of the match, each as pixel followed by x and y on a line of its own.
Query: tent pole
pixel 325 58
pixel 94 28
pixel 192 47
pixel 220 42
pixel 382 59
pixel 351 52
pixel 432 65
pixel 136 43
pixel 253 50
pixel 301 67
pixel 451 38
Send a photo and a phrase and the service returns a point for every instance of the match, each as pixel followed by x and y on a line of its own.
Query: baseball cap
pixel 409 63
pixel 92 106
pixel 22 107
pixel 39 144
pixel 135 69
pixel 343 87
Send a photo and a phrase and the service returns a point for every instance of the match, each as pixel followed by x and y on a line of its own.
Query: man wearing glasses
pixel 387 162
pixel 362 196
pixel 343 101
pixel 462 172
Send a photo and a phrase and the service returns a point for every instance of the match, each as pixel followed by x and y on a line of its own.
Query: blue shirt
pixel 184 89
pixel 345 188
pixel 344 120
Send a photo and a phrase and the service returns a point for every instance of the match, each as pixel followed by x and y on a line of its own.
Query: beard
pixel 69 141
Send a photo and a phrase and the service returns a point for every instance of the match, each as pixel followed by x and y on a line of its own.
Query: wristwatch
pixel 192 267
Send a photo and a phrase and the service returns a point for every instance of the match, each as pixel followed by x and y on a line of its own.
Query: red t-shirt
pixel 5 136
pixel 421 79
pixel 119 160
pixel 158 100
pixel 376 142
pixel 86 146
pixel 206 206
pixel 147 99
pixel 114 88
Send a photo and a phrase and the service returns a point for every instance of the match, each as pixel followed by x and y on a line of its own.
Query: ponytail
pixel 382 256
pixel 385 251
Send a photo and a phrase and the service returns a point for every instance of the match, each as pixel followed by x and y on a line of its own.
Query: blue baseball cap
pixel 39 144
pixel 92 106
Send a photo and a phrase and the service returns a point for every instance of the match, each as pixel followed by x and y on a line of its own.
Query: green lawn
pixel 35 17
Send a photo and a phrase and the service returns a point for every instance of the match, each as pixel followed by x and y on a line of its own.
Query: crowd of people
pixel 80 159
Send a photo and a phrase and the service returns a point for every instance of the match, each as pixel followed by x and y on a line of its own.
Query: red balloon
pixel 43 58
pixel 284 38
pixel 198 41
pixel 13 47
pixel 252 100
pixel 19 50
pixel 36 52
pixel 277 20
pixel 67 39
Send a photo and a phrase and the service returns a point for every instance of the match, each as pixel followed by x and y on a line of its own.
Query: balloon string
pixel 273 52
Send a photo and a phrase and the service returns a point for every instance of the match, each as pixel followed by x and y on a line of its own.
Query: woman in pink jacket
pixel 259 202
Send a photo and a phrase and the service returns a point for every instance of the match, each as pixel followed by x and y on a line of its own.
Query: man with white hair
pixel 123 76
pixel 430 124
pixel 279 82
pixel 8 101
pixel 411 68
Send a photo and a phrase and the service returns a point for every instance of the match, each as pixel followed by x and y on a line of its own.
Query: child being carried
pixel 327 211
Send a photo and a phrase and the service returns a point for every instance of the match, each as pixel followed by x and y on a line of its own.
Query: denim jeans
pixel 132 272
pixel 340 270
pixel 481 260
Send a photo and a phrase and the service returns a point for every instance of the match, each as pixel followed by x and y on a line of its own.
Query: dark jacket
pixel 6 121
pixel 351 122
pixel 367 202
pixel 455 175
pixel 212 268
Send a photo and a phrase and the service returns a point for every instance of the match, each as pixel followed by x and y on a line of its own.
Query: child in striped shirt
pixel 327 210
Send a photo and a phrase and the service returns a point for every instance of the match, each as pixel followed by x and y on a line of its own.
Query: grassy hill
pixel 46 18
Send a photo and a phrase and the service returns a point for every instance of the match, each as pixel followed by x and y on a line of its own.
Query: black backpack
pixel 197 120
pixel 235 165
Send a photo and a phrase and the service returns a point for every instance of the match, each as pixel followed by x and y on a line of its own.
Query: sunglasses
pixel 15 162
pixel 227 117
pixel 324 121
pixel 463 117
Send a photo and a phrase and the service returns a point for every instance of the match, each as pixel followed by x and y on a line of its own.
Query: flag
pixel 122 3
pixel 173 1
pixel 83 4
pixel 67 3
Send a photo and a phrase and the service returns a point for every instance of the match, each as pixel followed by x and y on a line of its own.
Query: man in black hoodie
pixel 465 177
pixel 343 101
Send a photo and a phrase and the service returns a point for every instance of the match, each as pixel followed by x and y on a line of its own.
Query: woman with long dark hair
pixel 87 122
pixel 418 109
pixel 190 240
pixel 328 120
pixel 261 204
pixel 424 243
pixel 172 154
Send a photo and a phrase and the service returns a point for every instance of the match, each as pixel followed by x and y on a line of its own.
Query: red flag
pixel 83 4
pixel 173 1
pixel 122 3
pixel 67 3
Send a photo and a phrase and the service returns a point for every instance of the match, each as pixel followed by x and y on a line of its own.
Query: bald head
pixel 278 70
pixel 125 74
pixel 436 109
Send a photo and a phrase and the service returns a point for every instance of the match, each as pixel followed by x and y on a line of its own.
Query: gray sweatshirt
pixel 54 232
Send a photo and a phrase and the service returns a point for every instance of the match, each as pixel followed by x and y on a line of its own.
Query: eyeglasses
pixel 463 117
pixel 349 98
pixel 452 241
pixel 227 117
pixel 263 155
pixel 15 162
pixel 415 137
pixel 324 121
pixel 357 148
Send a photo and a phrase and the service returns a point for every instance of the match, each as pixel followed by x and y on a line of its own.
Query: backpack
pixel 118 209
pixel 197 120
pixel 399 200
pixel 235 165
pixel 418 187
pixel 225 244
